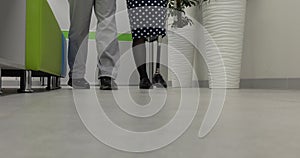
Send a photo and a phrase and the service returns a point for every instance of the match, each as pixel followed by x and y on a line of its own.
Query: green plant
pixel 177 10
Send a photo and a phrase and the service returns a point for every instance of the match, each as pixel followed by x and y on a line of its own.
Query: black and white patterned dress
pixel 147 18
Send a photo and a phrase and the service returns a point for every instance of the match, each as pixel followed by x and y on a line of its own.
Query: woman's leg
pixel 139 54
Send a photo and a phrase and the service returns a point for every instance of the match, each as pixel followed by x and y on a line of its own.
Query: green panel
pixel 43 38
pixel 92 35
pixel 51 42
pixel 33 29
pixel 66 34
pixel 125 37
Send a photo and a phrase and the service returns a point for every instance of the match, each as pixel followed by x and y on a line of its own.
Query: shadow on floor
pixel 13 91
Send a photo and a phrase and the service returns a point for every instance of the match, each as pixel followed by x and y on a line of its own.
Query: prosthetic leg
pixel 0 82
pixel 156 78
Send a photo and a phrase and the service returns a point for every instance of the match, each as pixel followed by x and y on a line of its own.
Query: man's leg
pixel 80 17
pixel 106 38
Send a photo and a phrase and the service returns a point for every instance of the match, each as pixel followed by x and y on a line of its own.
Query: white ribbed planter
pixel 181 57
pixel 224 21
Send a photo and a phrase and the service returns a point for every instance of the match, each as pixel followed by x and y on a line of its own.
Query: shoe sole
pixel 158 85
pixel 77 87
pixel 147 87
pixel 108 88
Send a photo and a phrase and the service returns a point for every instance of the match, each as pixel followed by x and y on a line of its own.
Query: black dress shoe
pixel 108 83
pixel 79 83
pixel 145 84
pixel 158 81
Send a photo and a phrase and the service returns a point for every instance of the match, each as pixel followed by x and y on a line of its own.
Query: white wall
pixel 199 63
pixel 272 39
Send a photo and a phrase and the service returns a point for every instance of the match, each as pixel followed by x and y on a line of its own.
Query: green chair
pixel 44 47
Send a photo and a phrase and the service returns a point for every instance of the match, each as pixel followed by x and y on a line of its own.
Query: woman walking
pixel 147 21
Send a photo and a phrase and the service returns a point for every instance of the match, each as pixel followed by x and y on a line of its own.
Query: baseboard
pixel 284 83
pixel 280 83
pixel 201 84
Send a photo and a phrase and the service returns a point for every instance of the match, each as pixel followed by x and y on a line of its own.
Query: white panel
pixel 12 31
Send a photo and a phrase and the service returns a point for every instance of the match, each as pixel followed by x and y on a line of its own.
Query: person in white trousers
pixel 106 40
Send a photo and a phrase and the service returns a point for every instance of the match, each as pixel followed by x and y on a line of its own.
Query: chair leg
pixel 57 83
pixel 26 82
pixel 50 81
pixel 0 82
pixel 42 81
pixel 53 83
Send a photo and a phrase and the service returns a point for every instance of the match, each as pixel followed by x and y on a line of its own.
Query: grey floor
pixel 253 124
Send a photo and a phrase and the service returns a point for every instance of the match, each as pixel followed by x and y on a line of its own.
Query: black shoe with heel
pixel 107 83
pixel 145 83
pixel 159 81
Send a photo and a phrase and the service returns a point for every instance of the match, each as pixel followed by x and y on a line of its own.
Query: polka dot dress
pixel 147 18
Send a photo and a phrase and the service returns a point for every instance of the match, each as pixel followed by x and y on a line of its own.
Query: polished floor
pixel 253 124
